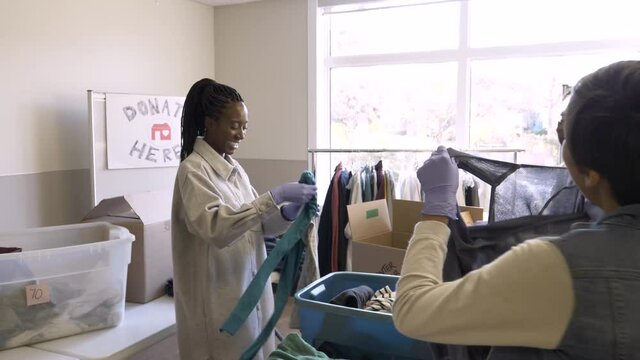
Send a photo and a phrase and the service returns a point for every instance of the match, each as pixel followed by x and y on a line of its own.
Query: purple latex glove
pixel 294 192
pixel 439 179
pixel 291 211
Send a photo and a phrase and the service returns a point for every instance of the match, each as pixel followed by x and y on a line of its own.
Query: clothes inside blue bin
pixel 354 298
pixel 353 333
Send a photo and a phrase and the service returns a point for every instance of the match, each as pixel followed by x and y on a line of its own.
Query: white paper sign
pixel 143 130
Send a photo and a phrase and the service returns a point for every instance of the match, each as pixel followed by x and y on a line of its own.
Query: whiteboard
pixel 107 183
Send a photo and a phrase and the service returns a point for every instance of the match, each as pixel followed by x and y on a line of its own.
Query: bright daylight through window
pixel 474 74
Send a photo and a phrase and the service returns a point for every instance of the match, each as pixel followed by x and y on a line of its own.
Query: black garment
pixel 471 196
pixel 527 202
pixel 9 250
pixel 355 298
pixel 168 287
pixel 326 223
pixel 520 190
pixel 470 248
pixel 380 190
pixel 269 243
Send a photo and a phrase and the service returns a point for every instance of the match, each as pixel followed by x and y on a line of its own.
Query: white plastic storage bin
pixel 67 280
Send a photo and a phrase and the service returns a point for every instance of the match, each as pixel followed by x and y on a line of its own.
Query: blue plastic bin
pixel 362 334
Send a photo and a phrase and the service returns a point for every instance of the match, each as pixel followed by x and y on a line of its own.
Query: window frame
pixel 321 63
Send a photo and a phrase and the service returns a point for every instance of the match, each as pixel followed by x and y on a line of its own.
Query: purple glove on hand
pixel 294 192
pixel 439 179
pixel 290 211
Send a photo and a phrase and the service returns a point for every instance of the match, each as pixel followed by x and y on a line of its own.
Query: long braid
pixel 206 98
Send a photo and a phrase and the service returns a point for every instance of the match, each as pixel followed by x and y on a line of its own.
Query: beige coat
pixel 218 226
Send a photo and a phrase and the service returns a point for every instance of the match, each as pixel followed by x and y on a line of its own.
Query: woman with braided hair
pixel 218 226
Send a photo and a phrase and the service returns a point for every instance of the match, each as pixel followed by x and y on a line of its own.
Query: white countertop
pixel 143 326
pixel 24 353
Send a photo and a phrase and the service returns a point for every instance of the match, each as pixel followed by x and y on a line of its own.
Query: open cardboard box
pixel 147 215
pixel 378 245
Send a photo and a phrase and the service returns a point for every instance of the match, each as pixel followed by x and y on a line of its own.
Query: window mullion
pixel 464 82
pixel 394 59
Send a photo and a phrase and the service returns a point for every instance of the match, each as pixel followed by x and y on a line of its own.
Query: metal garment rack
pixel 313 152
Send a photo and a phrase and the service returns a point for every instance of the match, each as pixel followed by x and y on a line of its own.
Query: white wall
pixel 51 53
pixel 261 50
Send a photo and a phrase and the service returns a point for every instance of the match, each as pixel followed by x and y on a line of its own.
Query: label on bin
pixel 37 294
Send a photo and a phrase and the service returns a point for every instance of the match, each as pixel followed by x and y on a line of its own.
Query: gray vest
pixel 604 260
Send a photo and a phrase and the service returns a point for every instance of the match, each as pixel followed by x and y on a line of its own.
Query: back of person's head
pixel 604 127
pixel 206 98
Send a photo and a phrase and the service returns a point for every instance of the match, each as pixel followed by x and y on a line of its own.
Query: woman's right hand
pixel 294 192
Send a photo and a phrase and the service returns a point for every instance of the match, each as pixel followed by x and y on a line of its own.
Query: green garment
pixel 290 247
pixel 293 347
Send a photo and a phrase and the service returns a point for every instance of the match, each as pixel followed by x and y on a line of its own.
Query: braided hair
pixel 206 98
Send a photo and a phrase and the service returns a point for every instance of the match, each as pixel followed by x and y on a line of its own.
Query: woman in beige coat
pixel 218 226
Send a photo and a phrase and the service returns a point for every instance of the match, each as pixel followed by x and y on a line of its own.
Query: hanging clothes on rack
pixel 365 183
pixel 375 183
pixel 379 184
pixel 355 188
pixel 332 244
pixel 385 184
pixel 409 186
pixel 367 188
pixel 362 184
pixel 389 187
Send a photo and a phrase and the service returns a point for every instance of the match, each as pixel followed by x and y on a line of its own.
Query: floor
pixel 168 348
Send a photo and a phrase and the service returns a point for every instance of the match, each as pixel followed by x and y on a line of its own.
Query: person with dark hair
pixel 218 225
pixel 576 296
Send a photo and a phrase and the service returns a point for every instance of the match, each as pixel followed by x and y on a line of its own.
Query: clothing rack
pixel 313 152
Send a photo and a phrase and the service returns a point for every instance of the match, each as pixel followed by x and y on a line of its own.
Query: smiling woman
pixel 218 225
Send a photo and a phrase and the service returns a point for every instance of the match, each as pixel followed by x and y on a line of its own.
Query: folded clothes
pixel 355 297
pixel 382 300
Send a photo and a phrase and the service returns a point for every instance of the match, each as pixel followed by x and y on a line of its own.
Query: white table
pixel 143 326
pixel 24 353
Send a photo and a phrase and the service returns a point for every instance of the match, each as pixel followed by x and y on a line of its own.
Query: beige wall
pixel 261 50
pixel 51 53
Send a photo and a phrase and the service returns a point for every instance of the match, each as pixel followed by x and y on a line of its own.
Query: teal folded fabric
pixel 293 347
pixel 289 248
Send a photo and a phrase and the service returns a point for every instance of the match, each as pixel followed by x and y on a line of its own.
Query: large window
pixel 472 74
pixel 389 106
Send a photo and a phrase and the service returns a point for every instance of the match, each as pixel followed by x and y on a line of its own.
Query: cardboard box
pixel 379 244
pixel 148 217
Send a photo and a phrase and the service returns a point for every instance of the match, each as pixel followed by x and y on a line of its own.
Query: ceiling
pixel 223 2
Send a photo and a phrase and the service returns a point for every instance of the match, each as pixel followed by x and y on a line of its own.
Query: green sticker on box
pixel 371 213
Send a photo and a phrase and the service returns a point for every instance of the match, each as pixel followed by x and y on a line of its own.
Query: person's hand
pixel 439 180
pixel 294 192
pixel 290 211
